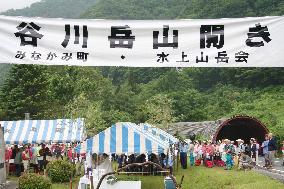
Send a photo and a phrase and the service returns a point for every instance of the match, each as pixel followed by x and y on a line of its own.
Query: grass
pixel 212 178
pixel 201 178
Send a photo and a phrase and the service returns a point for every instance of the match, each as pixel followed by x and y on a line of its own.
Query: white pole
pixel 2 157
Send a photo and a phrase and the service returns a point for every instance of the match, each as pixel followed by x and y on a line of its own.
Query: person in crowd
pixel 14 151
pixel 264 146
pixel 70 154
pixel 245 162
pixel 191 153
pixel 26 157
pixel 41 158
pixel 169 162
pixel 229 150
pixel 18 161
pixel 210 151
pixel 222 151
pixel 8 155
pixel 34 153
pixel 183 154
pixel 88 164
pixel 217 157
pixel 272 147
pixel 197 152
pixel 48 154
pixel 240 147
pixel 257 151
pixel 253 149
pixel 57 151
pixel 64 150
pixel 203 149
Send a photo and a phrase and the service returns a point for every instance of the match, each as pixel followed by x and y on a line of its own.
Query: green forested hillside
pixel 158 95
pixel 53 9
pixel 48 9
pixel 174 9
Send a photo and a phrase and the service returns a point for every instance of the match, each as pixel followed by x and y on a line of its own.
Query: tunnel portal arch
pixel 241 127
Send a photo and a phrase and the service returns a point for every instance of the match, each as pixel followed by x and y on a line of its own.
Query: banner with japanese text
pixel 228 42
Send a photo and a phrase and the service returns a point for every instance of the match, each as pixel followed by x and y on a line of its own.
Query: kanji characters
pixel 241 56
pixel 258 32
pixel 165 42
pixel 162 57
pixel 201 59
pixel 82 56
pixel 183 56
pixel 77 35
pixel 121 37
pixel 211 35
pixel 28 34
pixel 222 57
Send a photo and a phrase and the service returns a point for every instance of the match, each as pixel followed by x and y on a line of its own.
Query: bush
pixel 34 181
pixel 60 170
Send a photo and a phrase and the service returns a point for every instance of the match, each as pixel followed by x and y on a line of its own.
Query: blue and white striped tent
pixel 157 133
pixel 43 131
pixel 121 138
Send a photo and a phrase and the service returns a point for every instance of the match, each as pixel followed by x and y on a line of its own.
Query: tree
pixel 91 111
pixel 25 90
pixel 159 110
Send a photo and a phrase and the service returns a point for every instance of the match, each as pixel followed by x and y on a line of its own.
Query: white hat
pixel 239 140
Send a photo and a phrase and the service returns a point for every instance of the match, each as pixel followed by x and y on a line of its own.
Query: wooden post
pixel 70 182
pixel 92 181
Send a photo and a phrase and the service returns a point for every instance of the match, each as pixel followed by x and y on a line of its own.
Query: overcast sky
pixel 15 4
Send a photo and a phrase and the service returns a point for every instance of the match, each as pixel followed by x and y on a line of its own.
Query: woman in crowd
pixel 26 157
pixel 8 154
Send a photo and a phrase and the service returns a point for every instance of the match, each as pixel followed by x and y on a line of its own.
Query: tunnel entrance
pixel 241 127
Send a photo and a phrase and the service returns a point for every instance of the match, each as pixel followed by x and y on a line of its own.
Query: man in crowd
pixel 18 161
pixel 271 150
pixel 240 147
pixel 264 146
pixel 183 154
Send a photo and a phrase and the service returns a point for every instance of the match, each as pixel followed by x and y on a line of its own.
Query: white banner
pixel 234 42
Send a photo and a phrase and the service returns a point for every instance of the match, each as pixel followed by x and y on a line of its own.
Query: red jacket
pixel 8 154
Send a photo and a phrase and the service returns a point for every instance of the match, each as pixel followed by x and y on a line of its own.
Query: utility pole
pixel 2 157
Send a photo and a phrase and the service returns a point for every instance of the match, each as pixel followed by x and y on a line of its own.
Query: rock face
pixel 2 157
pixel 190 129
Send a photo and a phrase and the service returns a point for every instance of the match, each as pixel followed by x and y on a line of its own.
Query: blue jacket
pixel 272 145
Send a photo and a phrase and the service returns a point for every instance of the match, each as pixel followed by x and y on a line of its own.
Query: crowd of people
pixel 224 153
pixel 229 153
pixel 35 157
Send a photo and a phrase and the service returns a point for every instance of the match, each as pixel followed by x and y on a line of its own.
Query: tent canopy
pixel 122 138
pixel 158 133
pixel 43 131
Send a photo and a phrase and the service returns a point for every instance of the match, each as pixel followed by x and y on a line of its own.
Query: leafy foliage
pixel 34 181
pixel 60 170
